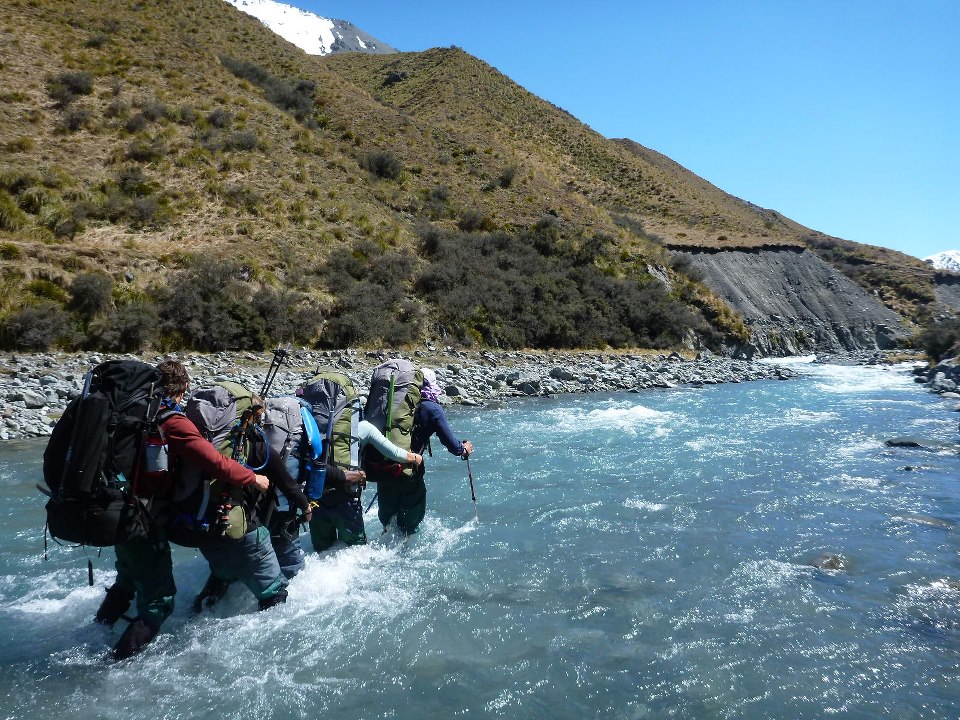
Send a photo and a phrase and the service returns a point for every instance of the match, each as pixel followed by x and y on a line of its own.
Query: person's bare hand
pixel 262 482
pixel 467 448
pixel 355 476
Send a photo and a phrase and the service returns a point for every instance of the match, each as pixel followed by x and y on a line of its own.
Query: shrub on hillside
pixel 154 110
pixel 90 294
pixel 207 307
pixel 473 220
pixel 76 119
pixel 145 211
pixel 683 263
pixel 136 123
pixel 37 327
pixel 288 316
pixel 66 87
pixel 117 109
pixel 146 150
pixel 371 314
pixel 538 288
pixel 129 328
pixel 220 118
pixel 132 180
pixel 243 140
pixel 293 95
pixel 96 41
pixel 941 339
pixel 382 163
pixel 374 303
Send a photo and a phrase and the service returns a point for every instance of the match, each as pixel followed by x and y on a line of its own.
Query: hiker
pixel 239 548
pixel 406 497
pixel 339 438
pixel 144 565
pixel 339 513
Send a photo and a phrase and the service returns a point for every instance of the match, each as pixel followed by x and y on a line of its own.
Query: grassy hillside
pixel 341 198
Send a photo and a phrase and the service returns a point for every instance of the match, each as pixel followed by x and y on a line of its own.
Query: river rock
pixel 830 561
pixel 32 400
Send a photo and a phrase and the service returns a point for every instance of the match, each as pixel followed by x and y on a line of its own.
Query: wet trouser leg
pixel 404 499
pixel 251 560
pixel 289 554
pixel 284 535
pixel 144 567
pixel 337 518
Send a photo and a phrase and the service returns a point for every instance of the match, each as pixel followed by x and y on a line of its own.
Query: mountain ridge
pixel 314 34
pixel 146 141
pixel 948 260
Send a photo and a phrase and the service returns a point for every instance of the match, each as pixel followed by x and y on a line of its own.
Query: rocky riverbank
pixel 35 389
pixel 942 378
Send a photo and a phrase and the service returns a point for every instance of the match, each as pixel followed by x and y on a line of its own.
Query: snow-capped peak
pixel 314 34
pixel 947 260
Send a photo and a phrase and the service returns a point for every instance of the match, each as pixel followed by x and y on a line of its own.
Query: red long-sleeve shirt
pixel 186 444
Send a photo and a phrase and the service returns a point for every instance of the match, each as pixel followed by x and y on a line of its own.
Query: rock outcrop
pixel 947 287
pixel 793 302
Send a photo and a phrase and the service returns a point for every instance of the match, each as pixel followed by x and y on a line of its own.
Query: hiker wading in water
pixel 144 565
pixel 406 499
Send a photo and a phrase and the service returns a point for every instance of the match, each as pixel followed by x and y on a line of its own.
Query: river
pixel 629 556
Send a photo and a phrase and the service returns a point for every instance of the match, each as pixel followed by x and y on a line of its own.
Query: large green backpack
pixel 391 406
pixel 208 507
pixel 336 408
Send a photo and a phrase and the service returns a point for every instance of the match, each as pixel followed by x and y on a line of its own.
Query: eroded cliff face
pixel 947 287
pixel 794 303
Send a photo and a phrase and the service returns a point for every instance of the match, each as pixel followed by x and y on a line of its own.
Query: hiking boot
pixel 278 599
pixel 213 591
pixel 114 605
pixel 137 635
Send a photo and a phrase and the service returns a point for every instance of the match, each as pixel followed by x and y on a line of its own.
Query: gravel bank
pixel 35 388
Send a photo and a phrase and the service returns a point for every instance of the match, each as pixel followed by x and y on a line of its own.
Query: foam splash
pixel 627 418
pixel 841 379
pixel 797 416
pixel 644 505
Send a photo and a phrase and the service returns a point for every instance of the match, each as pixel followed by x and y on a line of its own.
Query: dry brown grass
pixel 455 124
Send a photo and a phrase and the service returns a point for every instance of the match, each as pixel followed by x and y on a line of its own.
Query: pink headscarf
pixel 430 390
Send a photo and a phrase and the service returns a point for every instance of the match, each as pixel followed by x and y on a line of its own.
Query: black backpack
pixel 92 461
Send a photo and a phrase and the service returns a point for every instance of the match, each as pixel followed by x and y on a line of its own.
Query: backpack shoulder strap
pixel 165 413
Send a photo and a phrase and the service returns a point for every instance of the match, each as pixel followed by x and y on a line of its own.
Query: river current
pixel 629 556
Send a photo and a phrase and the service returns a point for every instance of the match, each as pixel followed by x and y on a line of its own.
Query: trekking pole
pixel 375 496
pixel 280 356
pixel 473 494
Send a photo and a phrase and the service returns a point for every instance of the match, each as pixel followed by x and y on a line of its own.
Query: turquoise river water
pixel 632 556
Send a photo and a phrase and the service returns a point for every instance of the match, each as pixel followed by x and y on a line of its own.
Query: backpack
pixel 337 411
pixel 206 507
pixel 92 461
pixel 335 408
pixel 284 432
pixel 391 407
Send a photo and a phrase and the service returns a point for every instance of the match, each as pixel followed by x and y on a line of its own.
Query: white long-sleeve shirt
pixel 368 434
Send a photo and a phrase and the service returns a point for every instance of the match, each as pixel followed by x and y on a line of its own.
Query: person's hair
pixel 175 380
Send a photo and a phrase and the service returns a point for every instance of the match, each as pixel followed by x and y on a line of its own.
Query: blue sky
pixel 842 115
